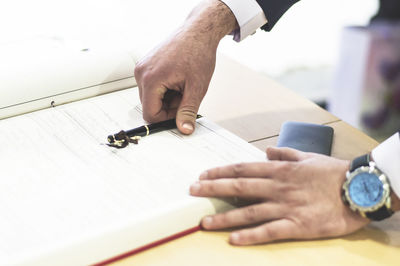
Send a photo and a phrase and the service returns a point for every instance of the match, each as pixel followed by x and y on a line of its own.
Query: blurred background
pixel 301 52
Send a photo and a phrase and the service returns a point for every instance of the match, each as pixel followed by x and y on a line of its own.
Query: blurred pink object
pixel 366 88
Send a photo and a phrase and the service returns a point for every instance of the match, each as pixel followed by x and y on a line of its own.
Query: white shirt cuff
pixel 387 158
pixel 249 16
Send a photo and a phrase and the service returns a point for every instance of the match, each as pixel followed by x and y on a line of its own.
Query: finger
pixel 140 92
pixel 171 103
pixel 249 188
pixel 268 232
pixel 171 113
pixel 256 169
pixel 172 99
pixel 244 216
pixel 187 111
pixel 152 104
pixel 137 75
pixel 285 154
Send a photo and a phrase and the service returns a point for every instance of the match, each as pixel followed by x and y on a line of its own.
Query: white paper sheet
pixel 31 80
pixel 60 183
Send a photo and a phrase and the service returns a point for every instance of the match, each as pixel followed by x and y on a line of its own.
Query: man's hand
pixel 298 197
pixel 175 76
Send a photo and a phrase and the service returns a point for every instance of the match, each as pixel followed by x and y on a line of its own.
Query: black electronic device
pixel 306 137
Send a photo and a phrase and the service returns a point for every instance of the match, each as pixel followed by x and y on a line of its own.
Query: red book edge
pixel 148 246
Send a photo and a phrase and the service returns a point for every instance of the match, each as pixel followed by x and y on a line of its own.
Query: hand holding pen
pixel 123 138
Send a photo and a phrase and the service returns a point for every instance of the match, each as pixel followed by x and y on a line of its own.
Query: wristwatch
pixel 367 189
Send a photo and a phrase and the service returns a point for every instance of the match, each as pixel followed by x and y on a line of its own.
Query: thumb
pixel 187 112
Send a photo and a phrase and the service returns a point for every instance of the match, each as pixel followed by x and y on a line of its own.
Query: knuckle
pixel 239 186
pixel 303 221
pixel 209 187
pixel 284 166
pixel 285 170
pixel 268 234
pixel 149 117
pixel 251 237
pixel 215 172
pixel 138 71
pixel 144 75
pixel 145 78
pixel 251 214
pixel 220 219
pixel 238 169
pixel 286 190
pixel 188 111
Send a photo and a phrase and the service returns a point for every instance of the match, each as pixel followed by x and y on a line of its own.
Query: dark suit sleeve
pixel 273 10
pixel 388 10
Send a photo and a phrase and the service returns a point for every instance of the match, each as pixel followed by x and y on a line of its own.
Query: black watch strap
pixel 360 161
pixel 381 213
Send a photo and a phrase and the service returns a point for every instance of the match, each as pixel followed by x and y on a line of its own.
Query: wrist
pixel 395 202
pixel 209 22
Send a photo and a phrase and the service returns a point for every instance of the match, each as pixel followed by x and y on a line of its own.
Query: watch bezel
pixel 371 169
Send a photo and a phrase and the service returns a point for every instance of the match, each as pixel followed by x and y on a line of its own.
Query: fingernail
pixel 195 188
pixel 207 221
pixel 203 175
pixel 187 126
pixel 235 238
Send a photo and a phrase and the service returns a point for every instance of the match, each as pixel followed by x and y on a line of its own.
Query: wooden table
pixel 254 107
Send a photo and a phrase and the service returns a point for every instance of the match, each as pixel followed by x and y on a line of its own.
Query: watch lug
pixel 344 199
pixel 347 174
pixel 388 203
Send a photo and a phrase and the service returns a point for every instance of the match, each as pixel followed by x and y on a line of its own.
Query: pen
pixel 124 137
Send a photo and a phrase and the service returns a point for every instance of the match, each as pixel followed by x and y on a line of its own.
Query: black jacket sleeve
pixel 388 10
pixel 273 10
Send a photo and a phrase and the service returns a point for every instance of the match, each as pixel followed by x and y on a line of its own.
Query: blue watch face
pixel 366 190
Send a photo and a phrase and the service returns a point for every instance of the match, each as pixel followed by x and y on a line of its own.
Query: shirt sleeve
pixel 387 158
pixel 249 16
pixel 252 14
